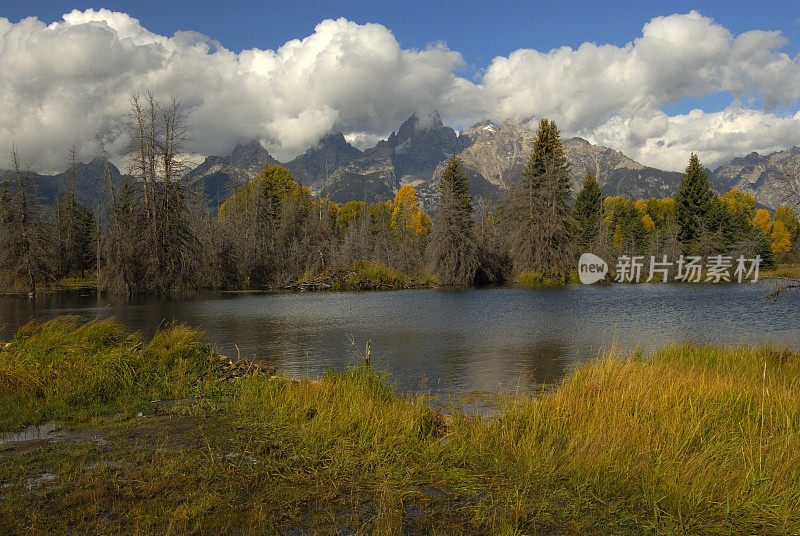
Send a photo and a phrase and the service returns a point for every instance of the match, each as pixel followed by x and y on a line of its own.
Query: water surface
pixel 460 341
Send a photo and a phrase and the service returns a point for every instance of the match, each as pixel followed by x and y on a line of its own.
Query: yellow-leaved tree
pixel 410 227
pixel 789 219
pixel 648 222
pixel 738 202
pixel 763 220
pixel 781 239
pixel 406 213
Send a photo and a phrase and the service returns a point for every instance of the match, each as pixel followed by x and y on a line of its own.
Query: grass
pixel 782 271
pixel 77 282
pixel 375 275
pixel 362 276
pixel 71 368
pixel 687 440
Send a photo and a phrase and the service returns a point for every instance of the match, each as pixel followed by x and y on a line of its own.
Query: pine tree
pixel 73 226
pixel 540 216
pixel 693 203
pixel 452 248
pixel 587 213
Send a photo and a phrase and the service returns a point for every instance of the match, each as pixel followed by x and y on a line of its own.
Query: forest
pixel 156 235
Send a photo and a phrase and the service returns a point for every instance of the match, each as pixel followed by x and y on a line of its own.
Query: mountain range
pixel 91 187
pixel 493 156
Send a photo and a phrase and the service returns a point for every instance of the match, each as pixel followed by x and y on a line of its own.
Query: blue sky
pixel 644 113
pixel 479 30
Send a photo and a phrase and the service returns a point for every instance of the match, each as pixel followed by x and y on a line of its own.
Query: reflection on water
pixel 489 339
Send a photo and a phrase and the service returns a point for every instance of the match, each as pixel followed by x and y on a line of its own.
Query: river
pixel 496 339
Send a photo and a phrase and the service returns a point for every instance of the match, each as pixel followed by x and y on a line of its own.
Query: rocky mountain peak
pixel 494 157
pixel 423 122
pixel 251 155
pixel 335 141
pixel 762 176
pixel 314 167
pixel 579 141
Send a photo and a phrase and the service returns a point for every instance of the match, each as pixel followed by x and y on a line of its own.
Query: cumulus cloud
pixel 64 83
pixel 715 137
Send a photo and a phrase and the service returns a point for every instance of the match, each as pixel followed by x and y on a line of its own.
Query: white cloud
pixel 64 83
pixel 715 137
pixel 677 56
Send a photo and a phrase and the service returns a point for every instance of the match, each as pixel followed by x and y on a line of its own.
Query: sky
pixel 655 80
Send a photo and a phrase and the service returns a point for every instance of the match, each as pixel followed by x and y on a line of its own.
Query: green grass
pixel 77 282
pixel 687 440
pixel 375 275
pixel 68 367
pixel 362 276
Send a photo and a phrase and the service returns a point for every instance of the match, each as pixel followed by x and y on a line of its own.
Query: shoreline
pixel 387 281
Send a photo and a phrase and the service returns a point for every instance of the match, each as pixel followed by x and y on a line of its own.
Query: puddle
pixel 35 482
pixel 49 432
pixel 246 458
pixel 37 432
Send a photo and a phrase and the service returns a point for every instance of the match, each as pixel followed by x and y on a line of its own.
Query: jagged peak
pixel 249 145
pixel 333 139
pixel 418 121
pixel 486 125
pixel 578 139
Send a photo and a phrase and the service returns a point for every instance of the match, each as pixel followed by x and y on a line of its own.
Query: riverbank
pixel 362 276
pixel 164 437
pixel 782 271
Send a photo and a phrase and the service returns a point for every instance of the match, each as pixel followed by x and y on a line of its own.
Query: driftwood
pixel 310 284
pixel 234 369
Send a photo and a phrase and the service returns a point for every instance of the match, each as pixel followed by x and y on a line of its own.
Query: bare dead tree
pixel 25 256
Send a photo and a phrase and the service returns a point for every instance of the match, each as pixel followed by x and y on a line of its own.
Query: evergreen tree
pixel 452 248
pixel 762 247
pixel 73 228
pixel 587 213
pixel 693 203
pixel 540 216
